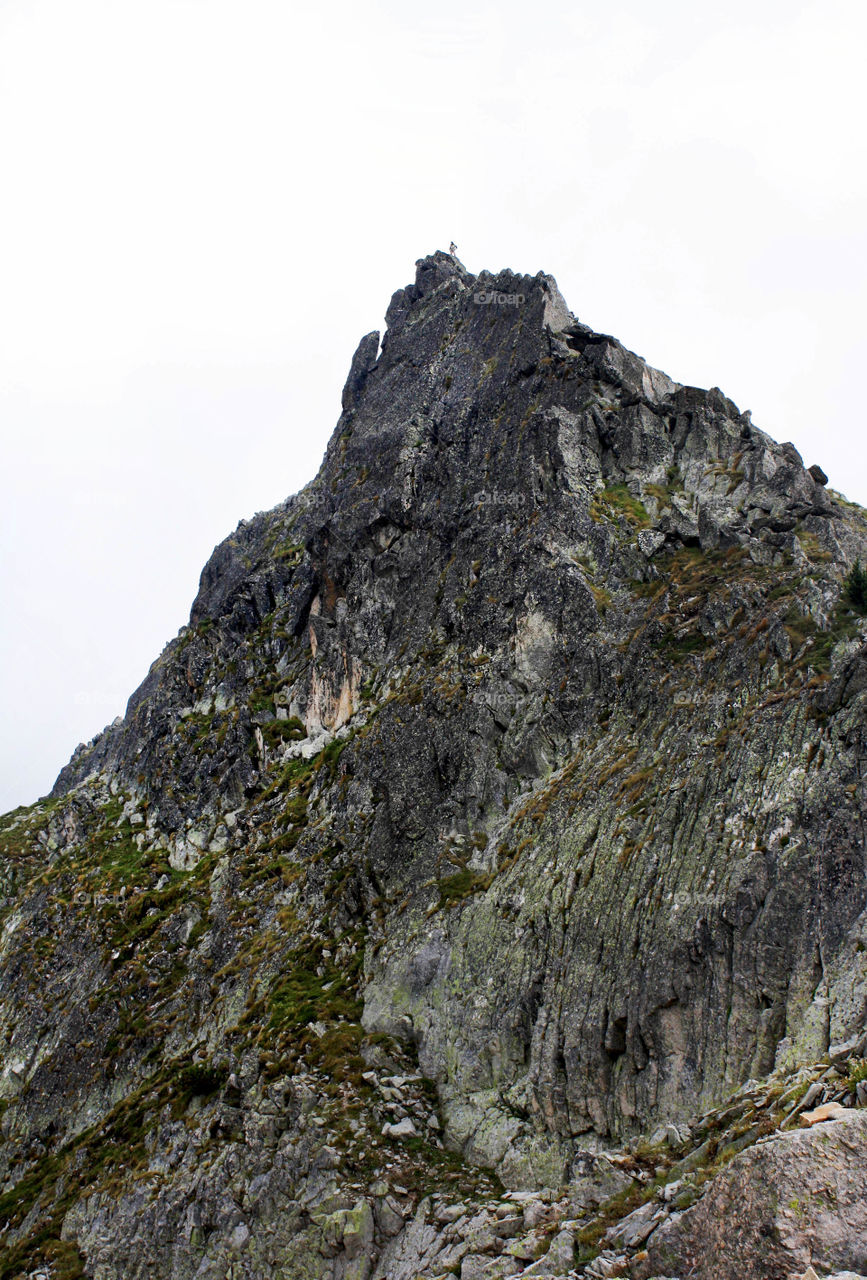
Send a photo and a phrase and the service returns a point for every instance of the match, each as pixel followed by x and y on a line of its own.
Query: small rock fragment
pixel 403 1129
pixel 828 1111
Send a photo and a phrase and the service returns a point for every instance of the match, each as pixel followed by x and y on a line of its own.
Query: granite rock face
pixel 792 1201
pixel 521 754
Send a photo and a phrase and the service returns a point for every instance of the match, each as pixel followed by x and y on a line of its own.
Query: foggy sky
pixel 206 203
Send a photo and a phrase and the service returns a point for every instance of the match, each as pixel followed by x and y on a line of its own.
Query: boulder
pixel 787 1203
pixel 828 1111
pixel 634 1229
pixel 559 1259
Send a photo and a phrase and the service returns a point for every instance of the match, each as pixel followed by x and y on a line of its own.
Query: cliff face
pixel 524 747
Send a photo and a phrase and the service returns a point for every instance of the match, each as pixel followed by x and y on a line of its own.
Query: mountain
pixel 476 885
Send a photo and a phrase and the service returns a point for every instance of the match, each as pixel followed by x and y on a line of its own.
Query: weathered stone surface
pixel 650 541
pixel 790 1202
pixel 634 1229
pixel 559 1258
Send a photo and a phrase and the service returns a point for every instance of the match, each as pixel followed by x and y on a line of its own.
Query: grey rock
pixel 559 1258
pixel 451 1212
pixel 852 1048
pixel 770 1210
pixel 525 1248
pixel 607 1263
pixel 810 1274
pixel 650 541
pixel 479 1267
pixel 634 1229
pixel 402 1129
pixel 389 1219
pixel 239 1238
pixel 362 363
pixel 508 1227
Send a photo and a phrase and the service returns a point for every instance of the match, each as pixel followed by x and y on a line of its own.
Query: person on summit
pixel 453 249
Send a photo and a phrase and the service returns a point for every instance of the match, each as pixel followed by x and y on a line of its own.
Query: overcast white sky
pixel 206 203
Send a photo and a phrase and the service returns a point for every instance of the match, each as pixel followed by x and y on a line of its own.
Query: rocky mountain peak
pixel 498 811
pixel 459 347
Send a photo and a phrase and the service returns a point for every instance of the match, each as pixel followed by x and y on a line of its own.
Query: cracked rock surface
pixel 481 863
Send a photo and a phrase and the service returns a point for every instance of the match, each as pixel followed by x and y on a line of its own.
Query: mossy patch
pixel 277 732
pixel 616 500
pixel 463 884
pixel 678 646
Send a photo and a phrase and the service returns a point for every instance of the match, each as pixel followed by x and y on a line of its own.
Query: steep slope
pixel 525 745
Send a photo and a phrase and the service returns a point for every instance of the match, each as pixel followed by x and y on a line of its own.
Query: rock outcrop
pixel 792 1201
pixel 496 818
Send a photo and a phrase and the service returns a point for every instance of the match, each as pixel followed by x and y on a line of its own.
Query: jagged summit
pixel 521 753
pixel 487 407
